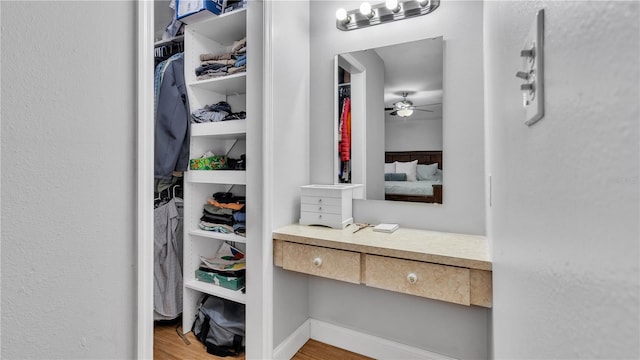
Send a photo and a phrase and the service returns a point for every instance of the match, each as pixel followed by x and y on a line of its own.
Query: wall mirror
pixel 388 126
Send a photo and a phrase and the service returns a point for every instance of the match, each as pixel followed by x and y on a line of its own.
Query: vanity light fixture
pixel 390 10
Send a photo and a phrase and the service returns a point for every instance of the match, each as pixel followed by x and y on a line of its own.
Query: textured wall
pixel 68 171
pixel 564 220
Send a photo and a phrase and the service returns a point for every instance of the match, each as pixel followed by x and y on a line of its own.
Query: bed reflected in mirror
pixel 394 97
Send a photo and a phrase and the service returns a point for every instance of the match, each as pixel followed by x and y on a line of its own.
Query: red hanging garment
pixel 345 143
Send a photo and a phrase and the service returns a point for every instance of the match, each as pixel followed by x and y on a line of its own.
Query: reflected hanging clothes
pixel 168 240
pixel 344 144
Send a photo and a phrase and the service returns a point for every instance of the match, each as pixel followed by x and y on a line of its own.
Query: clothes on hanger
pixel 168 245
pixel 344 133
pixel 172 130
pixel 164 51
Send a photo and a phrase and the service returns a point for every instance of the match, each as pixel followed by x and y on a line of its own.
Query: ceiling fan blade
pixel 394 113
pixel 387 109
pixel 423 110
pixel 415 106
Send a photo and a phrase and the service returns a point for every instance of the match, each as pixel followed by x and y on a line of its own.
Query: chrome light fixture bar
pixel 390 10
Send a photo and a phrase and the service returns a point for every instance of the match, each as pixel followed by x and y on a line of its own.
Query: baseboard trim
pixel 348 339
pixel 368 345
pixel 290 346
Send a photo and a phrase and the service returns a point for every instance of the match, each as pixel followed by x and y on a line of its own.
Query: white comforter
pixel 423 187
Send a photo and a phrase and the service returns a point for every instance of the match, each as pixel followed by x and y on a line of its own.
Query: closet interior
pixel 200 91
pixel 344 126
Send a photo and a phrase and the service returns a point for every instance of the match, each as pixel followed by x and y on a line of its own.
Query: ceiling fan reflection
pixel 405 108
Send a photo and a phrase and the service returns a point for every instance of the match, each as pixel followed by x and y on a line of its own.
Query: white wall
pixel 287 127
pixel 68 180
pixel 413 134
pixel 460 25
pixel 564 220
pixel 453 330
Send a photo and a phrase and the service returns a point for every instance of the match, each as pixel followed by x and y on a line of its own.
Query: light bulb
pixel 405 112
pixel 341 15
pixel 392 5
pixel 365 9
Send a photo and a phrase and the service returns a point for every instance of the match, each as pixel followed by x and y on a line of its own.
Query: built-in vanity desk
pixel 437 265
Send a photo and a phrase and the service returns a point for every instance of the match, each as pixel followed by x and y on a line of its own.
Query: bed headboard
pixel 423 157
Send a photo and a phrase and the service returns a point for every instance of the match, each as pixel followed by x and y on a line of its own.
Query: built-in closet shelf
pixel 229 85
pixel 173 40
pixel 215 35
pixel 232 129
pixel 230 177
pixel 215 290
pixel 225 28
pixel 218 236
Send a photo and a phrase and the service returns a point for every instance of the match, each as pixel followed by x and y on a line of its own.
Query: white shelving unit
pixel 213 35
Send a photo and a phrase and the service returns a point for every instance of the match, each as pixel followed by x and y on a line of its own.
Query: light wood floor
pixel 168 345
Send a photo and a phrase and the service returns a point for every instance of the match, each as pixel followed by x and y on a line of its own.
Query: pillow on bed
pixel 395 177
pixel 427 172
pixel 389 168
pixel 408 168
pixel 438 175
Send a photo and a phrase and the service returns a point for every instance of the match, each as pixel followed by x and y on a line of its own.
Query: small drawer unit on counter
pixel 328 205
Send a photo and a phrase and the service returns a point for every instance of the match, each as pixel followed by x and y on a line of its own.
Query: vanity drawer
pixel 336 221
pixel 434 281
pixel 314 260
pixel 325 209
pixel 319 200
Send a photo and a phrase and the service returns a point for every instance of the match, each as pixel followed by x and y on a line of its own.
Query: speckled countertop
pixel 471 251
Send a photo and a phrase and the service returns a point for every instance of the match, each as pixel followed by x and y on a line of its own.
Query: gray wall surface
pixel 564 219
pixel 68 180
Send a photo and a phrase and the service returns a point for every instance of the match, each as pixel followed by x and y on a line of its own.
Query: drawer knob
pixel 317 261
pixel 412 278
pixel 320 201
pixel 320 216
pixel 319 208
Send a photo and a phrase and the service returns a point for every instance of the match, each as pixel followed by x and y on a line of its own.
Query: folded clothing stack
pixel 221 111
pixel 224 213
pixel 233 61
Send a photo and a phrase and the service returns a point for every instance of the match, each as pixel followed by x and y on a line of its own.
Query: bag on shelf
pixel 208 161
pixel 220 326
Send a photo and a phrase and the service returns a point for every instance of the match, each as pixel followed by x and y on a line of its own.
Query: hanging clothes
pixel 345 140
pixel 172 132
pixel 168 245
pixel 344 134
